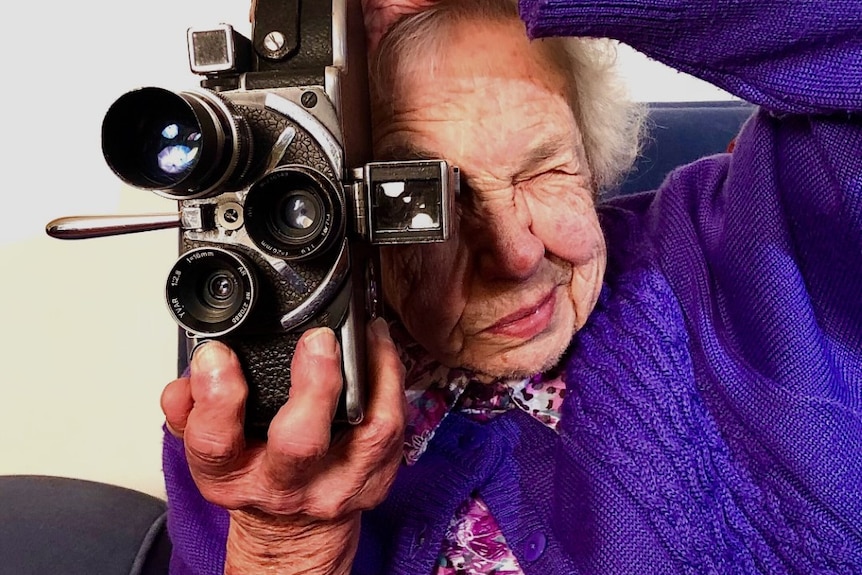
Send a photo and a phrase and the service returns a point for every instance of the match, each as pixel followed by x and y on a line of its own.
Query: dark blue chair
pixel 60 526
pixel 680 133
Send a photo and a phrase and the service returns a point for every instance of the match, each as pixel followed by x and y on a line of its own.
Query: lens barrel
pixel 182 145
pixel 295 213
pixel 211 291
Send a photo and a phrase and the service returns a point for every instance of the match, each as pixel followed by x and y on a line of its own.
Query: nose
pixel 506 247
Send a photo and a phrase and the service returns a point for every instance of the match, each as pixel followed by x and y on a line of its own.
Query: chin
pixel 522 359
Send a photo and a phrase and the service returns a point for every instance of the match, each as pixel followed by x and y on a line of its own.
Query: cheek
pixel 421 280
pixel 399 270
pixel 576 240
pixel 569 227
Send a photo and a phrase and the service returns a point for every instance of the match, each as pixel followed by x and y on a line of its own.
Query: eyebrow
pixel 547 149
pixel 541 153
pixel 406 151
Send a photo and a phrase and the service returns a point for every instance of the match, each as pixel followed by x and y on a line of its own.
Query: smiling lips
pixel 529 321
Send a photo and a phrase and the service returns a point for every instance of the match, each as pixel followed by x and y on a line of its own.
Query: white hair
pixel 611 124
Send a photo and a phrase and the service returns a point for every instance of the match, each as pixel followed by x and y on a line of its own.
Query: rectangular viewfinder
pixel 212 50
pixel 409 202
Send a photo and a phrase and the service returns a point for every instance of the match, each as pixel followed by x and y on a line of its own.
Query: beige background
pixel 87 342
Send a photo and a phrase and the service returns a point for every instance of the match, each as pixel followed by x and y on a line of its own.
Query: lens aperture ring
pixel 211 291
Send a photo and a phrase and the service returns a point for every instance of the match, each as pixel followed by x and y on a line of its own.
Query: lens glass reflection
pixel 294 213
pixel 219 291
pixel 176 149
pixel 300 213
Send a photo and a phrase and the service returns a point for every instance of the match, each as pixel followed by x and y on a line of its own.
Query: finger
pixel 300 431
pixel 386 392
pixel 362 474
pixel 214 431
pixel 177 403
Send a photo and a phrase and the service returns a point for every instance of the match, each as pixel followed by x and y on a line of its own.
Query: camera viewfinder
pixel 218 50
pixel 409 202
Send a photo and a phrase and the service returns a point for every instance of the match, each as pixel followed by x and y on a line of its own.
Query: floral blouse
pixel 473 544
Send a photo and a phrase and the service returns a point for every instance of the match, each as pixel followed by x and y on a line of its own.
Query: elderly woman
pixel 666 383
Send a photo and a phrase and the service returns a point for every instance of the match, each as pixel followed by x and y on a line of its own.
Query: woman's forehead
pixel 475 55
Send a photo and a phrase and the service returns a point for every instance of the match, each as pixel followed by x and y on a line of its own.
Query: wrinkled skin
pixel 527 243
pixel 527 227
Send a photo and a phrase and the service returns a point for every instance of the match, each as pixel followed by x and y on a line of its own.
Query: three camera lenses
pixel 182 145
pixel 211 291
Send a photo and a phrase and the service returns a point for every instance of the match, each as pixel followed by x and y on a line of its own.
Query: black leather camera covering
pixel 307 24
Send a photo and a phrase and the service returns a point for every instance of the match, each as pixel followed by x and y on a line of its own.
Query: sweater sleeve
pixel 198 529
pixel 788 56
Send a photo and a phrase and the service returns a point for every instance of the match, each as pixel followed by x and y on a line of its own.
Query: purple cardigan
pixel 713 422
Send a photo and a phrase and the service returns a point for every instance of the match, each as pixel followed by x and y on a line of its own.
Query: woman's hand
pixel 295 500
pixel 380 15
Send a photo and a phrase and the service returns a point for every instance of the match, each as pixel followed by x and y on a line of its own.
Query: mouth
pixel 528 321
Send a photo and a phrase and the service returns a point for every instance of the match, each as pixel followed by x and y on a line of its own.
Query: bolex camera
pixel 279 211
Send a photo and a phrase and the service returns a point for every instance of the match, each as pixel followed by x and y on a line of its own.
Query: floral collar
pixel 434 390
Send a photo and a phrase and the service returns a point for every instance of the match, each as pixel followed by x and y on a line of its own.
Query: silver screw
pixel 274 41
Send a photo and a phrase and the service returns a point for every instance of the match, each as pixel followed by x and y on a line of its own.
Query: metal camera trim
pixel 206 98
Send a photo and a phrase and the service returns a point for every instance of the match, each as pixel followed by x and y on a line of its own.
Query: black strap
pixel 304 30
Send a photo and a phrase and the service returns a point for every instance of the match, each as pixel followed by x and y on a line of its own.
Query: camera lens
pixel 220 290
pixel 183 145
pixel 294 213
pixel 211 291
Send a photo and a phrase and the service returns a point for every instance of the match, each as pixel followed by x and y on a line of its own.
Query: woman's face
pixel 523 268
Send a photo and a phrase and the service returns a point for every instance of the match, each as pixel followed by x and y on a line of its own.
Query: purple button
pixel 534 546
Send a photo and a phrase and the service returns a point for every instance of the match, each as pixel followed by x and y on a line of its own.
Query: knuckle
pixel 376 493
pixel 302 450
pixel 176 427
pixel 393 364
pixel 390 364
pixel 286 444
pixel 329 508
pixel 210 450
pixel 386 428
pixel 382 444
pixel 376 488
pixel 223 497
pixel 279 501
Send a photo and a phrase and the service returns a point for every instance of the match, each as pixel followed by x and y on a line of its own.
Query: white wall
pixel 87 343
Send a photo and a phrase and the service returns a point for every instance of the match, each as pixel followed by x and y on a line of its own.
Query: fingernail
pixel 321 341
pixel 380 328
pixel 209 355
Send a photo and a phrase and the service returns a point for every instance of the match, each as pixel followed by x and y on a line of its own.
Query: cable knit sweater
pixel 712 422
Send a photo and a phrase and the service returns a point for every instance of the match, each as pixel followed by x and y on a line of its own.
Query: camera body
pixel 278 210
